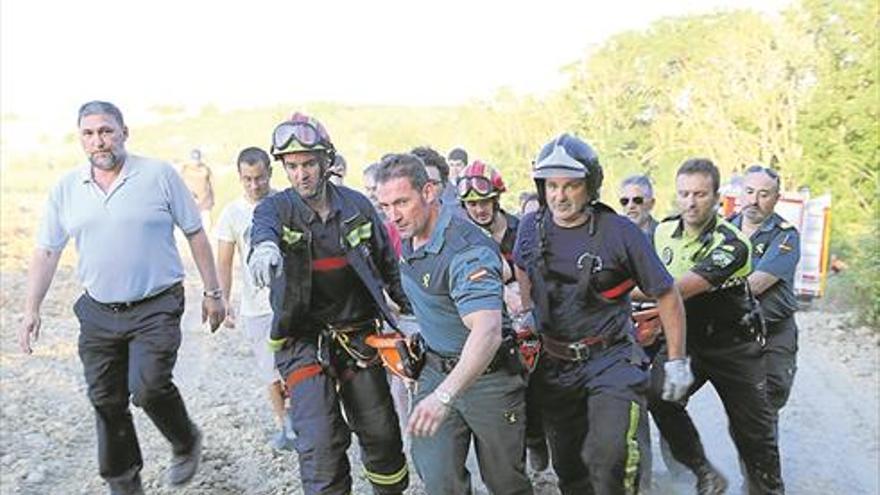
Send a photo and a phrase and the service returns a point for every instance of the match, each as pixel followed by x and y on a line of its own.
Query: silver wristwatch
pixel 443 396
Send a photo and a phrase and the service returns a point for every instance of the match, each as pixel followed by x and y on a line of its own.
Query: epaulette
pixel 671 218
pixel 785 225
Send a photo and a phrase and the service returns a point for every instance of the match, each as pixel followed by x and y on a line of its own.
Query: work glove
pixel 264 263
pixel 678 379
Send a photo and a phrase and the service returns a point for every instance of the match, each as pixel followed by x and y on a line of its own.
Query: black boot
pixel 710 481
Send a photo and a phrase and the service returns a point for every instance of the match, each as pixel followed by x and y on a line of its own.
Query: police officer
pixel 479 189
pixel 326 255
pixel 577 262
pixel 466 391
pixel 775 255
pixel 709 259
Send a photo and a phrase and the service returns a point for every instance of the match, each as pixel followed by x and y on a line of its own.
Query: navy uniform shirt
pixel 618 251
pixel 338 295
pixel 457 272
pixel 776 249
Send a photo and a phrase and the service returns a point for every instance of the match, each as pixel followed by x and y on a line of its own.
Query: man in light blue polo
pixel 451 273
pixel 121 210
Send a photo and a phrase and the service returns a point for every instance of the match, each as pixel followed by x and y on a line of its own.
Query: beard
pixel 106 160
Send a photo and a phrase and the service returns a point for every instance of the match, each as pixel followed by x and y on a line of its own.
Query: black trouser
pixel 736 370
pixel 131 352
pixel 322 434
pixel 592 411
pixel 535 437
pixel 780 355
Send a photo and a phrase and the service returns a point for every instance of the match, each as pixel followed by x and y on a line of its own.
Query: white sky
pixel 56 54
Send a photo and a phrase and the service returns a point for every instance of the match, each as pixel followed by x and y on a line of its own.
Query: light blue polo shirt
pixel 457 272
pixel 125 237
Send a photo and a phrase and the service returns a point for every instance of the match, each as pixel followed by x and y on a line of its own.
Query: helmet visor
pixel 303 132
pixel 559 164
pixel 480 186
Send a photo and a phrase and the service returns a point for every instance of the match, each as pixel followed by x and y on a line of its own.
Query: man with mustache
pixel 576 262
pixel 326 256
pixel 775 254
pixel 122 209
pixel 710 260
pixel 637 201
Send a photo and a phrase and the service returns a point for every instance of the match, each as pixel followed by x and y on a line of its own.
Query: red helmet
pixel 479 181
pixel 301 133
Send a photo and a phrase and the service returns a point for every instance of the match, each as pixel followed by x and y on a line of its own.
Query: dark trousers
pixel 492 413
pixel 131 353
pixel 322 434
pixel 780 356
pixel 592 411
pixel 736 370
pixel 535 437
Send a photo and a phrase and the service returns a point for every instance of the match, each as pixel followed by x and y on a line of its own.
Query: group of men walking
pixel 525 331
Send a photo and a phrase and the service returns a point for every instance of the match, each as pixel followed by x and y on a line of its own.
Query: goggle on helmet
pixel 301 133
pixel 479 181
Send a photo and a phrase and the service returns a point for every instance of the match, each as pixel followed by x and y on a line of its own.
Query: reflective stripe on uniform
pixel 633 455
pixel 388 479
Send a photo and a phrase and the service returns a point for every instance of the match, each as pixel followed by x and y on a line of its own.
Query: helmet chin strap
pixel 321 186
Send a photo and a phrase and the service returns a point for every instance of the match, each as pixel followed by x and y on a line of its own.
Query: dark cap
pixel 458 154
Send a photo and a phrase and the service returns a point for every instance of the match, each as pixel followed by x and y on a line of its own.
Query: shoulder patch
pixel 478 274
pixel 722 258
pixel 666 255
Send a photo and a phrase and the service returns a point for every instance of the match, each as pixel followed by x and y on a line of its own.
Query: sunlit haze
pixel 140 55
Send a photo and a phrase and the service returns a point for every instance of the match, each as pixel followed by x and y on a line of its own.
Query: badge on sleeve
pixel 666 255
pixel 478 274
pixel 722 259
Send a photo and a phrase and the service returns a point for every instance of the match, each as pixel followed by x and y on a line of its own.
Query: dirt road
pixel 829 431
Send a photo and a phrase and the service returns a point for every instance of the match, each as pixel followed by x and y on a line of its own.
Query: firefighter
pixel 577 261
pixel 325 254
pixel 710 260
pixel 776 250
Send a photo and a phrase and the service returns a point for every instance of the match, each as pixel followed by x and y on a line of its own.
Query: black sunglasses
pixel 637 200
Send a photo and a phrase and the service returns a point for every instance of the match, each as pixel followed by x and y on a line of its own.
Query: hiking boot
pixel 184 466
pixel 710 481
pixel 539 458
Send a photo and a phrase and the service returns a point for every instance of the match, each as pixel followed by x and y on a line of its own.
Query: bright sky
pixel 56 54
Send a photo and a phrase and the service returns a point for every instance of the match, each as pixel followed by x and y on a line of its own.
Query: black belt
pixel 125 306
pixel 580 350
pixel 446 364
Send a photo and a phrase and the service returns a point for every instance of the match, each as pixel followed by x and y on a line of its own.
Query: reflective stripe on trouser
pixel 492 413
pixel 323 437
pixel 737 372
pixel 592 411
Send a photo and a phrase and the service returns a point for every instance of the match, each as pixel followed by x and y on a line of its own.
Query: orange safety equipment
pixel 402 355
pixel 648 326
pixel 479 181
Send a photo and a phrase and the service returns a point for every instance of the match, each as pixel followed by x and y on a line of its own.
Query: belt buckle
pixel 581 351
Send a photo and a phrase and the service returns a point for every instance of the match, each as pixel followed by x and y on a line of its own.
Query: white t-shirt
pixel 235 226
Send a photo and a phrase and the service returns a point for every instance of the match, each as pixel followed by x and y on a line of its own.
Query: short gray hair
pixel 98 107
pixel 402 165
pixel 642 181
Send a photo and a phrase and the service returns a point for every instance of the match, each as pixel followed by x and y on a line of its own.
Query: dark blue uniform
pixel 776 249
pixel 329 299
pixel 591 375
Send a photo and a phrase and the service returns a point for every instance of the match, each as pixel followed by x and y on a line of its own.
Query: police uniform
pixel 776 250
pixel 591 374
pixel 329 299
pixel 458 272
pixel 724 349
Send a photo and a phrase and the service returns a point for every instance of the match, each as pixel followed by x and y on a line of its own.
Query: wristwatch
pixel 443 396
pixel 213 294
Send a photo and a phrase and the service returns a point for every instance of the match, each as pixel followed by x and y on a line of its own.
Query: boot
pixel 710 481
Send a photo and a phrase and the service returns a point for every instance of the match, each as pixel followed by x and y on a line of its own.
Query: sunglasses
pixel 636 199
pixel 480 185
pixel 306 134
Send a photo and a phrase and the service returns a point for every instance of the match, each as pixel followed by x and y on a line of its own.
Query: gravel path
pixel 47 439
